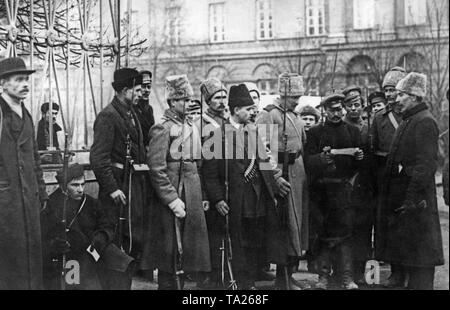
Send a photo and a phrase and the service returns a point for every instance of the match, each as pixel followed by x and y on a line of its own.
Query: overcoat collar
pixel 27 122
pixel 418 108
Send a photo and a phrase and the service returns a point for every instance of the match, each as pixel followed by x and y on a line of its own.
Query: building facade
pixel 333 43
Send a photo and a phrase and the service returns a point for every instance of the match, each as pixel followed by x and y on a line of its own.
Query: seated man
pixel 86 227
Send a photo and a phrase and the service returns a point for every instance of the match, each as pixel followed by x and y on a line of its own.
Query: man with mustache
pixel 115 126
pixel 383 128
pixel 331 179
pixel 22 188
pixel 410 230
pixel 215 95
pixel 253 224
pixel 290 88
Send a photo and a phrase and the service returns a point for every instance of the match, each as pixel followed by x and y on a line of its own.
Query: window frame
pixel 318 11
pixel 264 25
pixel 216 35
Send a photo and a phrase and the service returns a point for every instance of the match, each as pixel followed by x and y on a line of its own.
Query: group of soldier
pixel 337 187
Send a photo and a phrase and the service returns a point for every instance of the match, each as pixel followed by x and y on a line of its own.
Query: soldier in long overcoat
pixel 22 188
pixel 253 222
pixel 215 95
pixel 114 124
pixel 164 158
pixel 384 125
pixel 298 213
pixel 409 230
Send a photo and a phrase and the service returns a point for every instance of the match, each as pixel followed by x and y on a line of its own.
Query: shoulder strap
pixel 393 120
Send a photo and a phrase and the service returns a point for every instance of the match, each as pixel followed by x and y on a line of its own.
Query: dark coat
pixel 414 238
pixel 144 112
pixel 43 135
pixel 164 175
pixel 22 188
pixel 276 239
pixel 333 212
pixel 87 226
pixel 111 128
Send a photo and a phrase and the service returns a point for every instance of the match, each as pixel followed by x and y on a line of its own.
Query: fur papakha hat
pixel 211 87
pixel 413 84
pixel 239 97
pixel 178 87
pixel 291 84
pixel 394 76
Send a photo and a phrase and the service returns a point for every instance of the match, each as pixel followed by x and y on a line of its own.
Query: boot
pixel 397 278
pixel 280 281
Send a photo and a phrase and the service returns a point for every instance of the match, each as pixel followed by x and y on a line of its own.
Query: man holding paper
pixel 333 158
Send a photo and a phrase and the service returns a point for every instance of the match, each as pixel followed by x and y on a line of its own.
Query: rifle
pixel 178 257
pixel 126 186
pixel 283 212
pixel 64 213
pixel 369 125
pixel 226 248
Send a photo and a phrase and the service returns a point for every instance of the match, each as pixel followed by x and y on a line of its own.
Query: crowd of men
pixel 352 182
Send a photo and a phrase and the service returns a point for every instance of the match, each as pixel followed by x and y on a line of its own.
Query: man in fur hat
pixel 254 225
pixel 410 230
pixel 22 188
pixel 290 88
pixel 333 155
pixel 173 160
pixel 116 129
pixel 215 95
pixel 383 128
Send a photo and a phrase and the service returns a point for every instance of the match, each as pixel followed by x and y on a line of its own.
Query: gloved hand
pixel 222 208
pixel 178 208
pixel 409 207
pixel 59 246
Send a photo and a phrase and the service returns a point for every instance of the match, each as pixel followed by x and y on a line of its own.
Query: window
pixel 217 22
pixel 264 19
pixel 415 12
pixel 364 14
pixel 173 23
pixel 315 13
